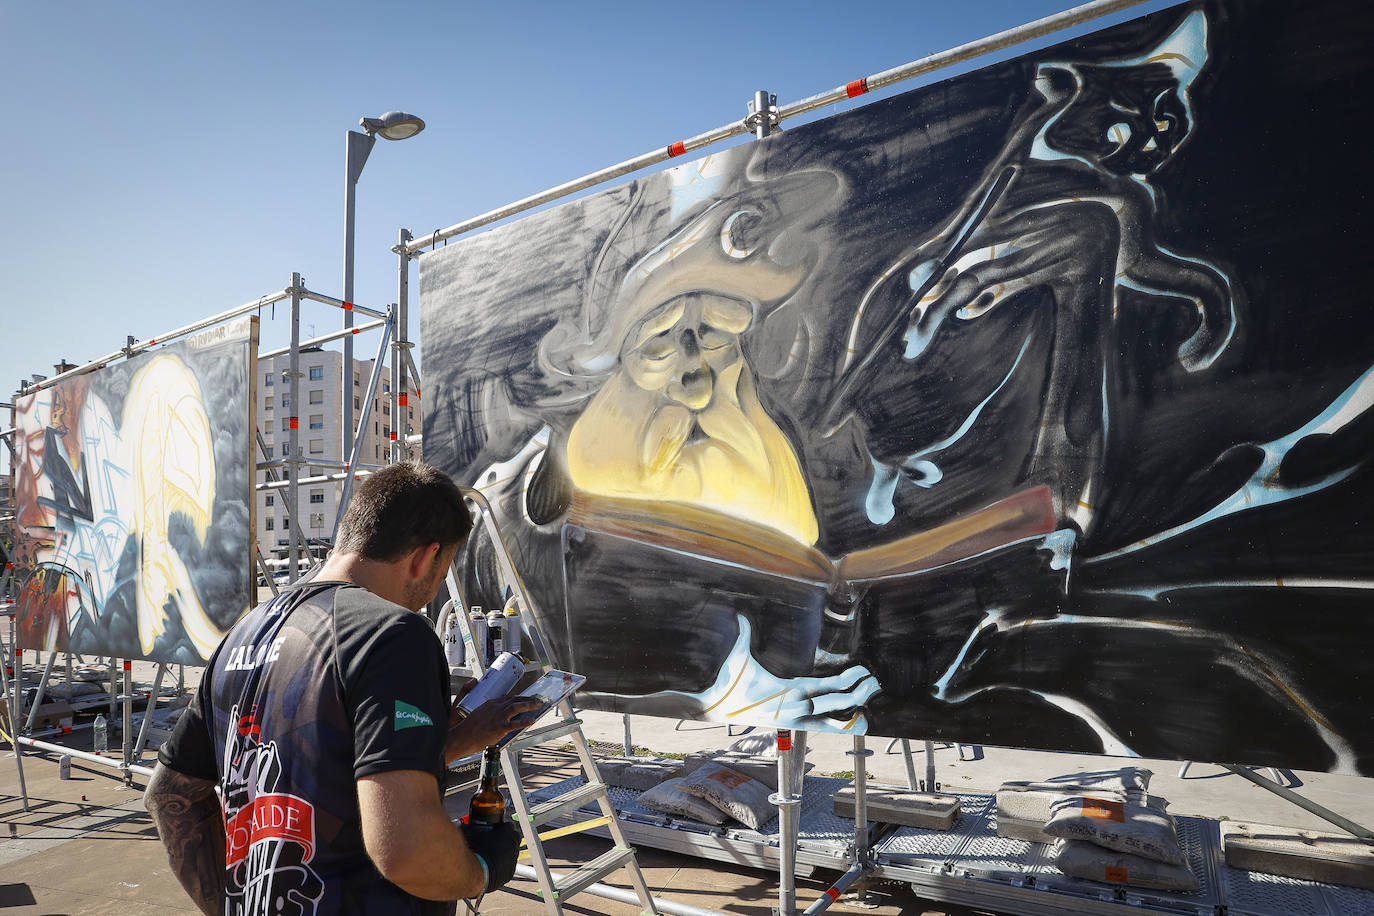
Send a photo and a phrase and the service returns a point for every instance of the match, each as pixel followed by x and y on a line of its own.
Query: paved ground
pixel 87 847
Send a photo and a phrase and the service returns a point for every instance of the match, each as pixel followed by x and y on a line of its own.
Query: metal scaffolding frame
pixel 297 293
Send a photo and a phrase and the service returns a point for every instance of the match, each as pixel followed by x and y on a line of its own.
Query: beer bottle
pixel 488 807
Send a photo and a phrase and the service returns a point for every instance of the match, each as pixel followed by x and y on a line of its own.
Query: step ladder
pixel 554 889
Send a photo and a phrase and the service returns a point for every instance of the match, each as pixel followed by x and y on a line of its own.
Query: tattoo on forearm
pixel 191 825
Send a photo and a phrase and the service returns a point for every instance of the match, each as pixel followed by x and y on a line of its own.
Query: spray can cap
pixel 513 606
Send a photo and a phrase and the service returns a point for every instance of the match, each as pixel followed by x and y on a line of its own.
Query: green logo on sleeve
pixel 408 716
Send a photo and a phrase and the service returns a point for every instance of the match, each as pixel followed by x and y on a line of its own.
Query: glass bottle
pixel 488 807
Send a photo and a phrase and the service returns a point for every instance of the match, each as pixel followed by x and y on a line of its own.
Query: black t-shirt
pixel 311 690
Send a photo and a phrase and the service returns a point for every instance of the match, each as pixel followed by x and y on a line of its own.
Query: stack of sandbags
pixel 712 794
pixel 1133 842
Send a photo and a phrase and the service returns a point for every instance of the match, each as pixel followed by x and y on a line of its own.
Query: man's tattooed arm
pixel 189 821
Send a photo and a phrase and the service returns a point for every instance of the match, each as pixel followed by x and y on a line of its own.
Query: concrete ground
pixel 87 847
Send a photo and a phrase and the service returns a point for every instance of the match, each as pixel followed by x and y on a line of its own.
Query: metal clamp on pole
pixel 763 114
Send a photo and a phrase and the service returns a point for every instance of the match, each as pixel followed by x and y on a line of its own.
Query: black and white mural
pixel 1033 407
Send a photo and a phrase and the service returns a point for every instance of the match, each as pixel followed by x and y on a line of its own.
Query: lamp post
pixel 394 125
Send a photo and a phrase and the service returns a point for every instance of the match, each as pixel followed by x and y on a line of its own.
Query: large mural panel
pixel 1032 407
pixel 133 488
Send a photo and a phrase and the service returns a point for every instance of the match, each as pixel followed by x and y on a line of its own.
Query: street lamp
pixel 394 125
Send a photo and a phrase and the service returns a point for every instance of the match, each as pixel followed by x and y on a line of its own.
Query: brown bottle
pixel 488 806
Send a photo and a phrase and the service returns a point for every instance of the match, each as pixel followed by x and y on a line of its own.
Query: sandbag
pixel 1141 829
pixel 1080 859
pixel 1023 808
pixel 743 798
pixel 669 798
pixel 637 773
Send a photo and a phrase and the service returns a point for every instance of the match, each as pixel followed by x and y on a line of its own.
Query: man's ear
pixel 422 558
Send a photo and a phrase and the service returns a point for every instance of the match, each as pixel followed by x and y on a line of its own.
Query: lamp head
pixel 394 125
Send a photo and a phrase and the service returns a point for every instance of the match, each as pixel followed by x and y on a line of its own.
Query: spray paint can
pixel 512 633
pixel 479 634
pixel 496 627
pixel 497 682
pixel 453 639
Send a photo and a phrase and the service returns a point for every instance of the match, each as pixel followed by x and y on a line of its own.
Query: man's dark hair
pixel 401 507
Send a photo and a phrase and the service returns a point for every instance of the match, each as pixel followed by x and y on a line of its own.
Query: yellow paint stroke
pixel 725 696
pixel 743 709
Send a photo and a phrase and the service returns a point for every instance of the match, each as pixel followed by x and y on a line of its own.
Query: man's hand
pixel 487 724
pixel 498 847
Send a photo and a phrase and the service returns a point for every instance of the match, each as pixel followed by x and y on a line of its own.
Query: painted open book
pixel 654 588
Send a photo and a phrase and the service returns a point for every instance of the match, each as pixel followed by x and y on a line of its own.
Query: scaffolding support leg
pixel 629 740
pixel 930 767
pixel 126 737
pixel 788 803
pixel 148 713
pixel 14 739
pixel 42 689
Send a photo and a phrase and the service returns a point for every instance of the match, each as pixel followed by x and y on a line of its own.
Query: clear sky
pixel 163 162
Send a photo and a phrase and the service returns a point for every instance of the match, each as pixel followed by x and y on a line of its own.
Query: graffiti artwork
pixel 133 486
pixel 1033 407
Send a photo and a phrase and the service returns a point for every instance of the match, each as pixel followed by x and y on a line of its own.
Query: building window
pixel 271 379
pixel 317 421
pixel 316 373
pixel 317 496
pixel 412 413
pixel 355 380
pixel 285 423
pixel 376 428
pixel 317 446
pixel 386 432
pixel 285 449
pixel 267 403
pixel 357 403
pixel 386 387
pixel 376 451
pixel 285 401
pixel 286 523
pixel 269 500
pixel 317 396
pixel 271 523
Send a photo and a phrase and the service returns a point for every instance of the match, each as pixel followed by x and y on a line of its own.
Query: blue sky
pixel 163 162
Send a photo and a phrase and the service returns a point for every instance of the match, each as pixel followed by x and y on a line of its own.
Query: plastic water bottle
pixel 102 740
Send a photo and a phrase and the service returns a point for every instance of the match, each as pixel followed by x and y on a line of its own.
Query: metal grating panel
pixel 1258 894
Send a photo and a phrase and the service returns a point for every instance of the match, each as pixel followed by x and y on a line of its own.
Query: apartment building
pixel 319 425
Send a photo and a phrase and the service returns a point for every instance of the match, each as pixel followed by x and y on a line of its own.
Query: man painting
pixel 321 718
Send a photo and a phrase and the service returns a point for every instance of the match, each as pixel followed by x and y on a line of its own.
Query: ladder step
pixel 536 736
pixel 550 810
pixel 598 868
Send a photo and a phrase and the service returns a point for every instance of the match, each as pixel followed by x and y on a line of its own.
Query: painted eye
pixel 740 234
pixel 1119 134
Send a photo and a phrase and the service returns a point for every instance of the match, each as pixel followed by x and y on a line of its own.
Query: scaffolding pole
pixel 929 64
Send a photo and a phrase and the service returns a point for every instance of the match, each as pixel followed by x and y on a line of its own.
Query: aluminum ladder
pixel 554 889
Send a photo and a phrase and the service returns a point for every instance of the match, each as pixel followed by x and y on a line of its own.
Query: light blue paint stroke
pixel 799 702
pixel 1263 488
pixel 878 503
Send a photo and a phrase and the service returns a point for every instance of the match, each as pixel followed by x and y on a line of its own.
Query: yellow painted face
pixel 680 420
